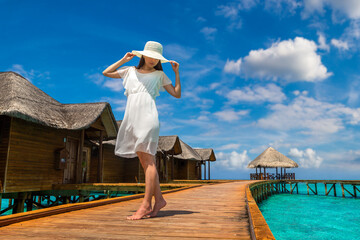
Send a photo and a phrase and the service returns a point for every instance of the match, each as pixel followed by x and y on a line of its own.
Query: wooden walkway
pixel 207 212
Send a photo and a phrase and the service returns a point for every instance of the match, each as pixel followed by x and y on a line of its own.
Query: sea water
pixel 315 217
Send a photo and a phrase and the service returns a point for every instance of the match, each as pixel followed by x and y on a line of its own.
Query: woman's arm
pixel 111 70
pixel 174 91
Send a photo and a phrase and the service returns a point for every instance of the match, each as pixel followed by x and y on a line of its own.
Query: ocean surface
pixel 315 217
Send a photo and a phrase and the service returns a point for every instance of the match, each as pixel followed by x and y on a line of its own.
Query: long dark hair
pixel 142 62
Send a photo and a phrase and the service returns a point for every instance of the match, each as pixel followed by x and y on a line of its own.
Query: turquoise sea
pixel 299 216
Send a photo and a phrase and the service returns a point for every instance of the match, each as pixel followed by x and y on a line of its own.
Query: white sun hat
pixel 153 50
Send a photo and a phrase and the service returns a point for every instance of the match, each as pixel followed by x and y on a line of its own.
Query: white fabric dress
pixel 139 130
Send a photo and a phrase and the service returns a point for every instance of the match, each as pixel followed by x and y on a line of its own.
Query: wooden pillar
pixel 354 187
pixel 79 168
pixel 204 170
pixel 281 175
pixel 342 189
pixel 172 167
pixel 265 173
pixel 101 160
pixel 19 203
pixel 307 185
pixel 276 173
pixel 326 193
pixel 209 169
pixel 166 168
pixel 285 173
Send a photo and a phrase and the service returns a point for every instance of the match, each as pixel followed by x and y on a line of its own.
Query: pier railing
pixel 272 176
pixel 263 189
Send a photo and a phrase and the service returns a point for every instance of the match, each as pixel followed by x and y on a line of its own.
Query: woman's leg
pixel 152 188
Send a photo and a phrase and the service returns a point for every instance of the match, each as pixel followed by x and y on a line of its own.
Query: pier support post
pixel 354 190
pixel 326 193
pixel 19 203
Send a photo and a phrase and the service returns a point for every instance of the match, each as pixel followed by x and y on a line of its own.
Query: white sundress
pixel 139 130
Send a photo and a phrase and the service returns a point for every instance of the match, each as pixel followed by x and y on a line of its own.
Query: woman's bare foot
pixel 158 205
pixel 142 212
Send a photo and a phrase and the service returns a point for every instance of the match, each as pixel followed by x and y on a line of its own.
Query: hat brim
pixel 150 54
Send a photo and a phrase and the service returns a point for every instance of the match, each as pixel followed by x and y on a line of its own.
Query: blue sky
pixel 254 74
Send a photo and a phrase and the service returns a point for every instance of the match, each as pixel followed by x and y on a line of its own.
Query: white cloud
pixel 201 19
pixel 209 32
pixel 288 60
pixel 233 66
pixel 282 6
pixel 29 74
pixel 233 160
pixel 115 84
pixel 310 116
pixel 354 92
pixel 178 52
pixel 231 12
pixel 350 38
pixel 96 78
pixel 347 8
pixel 117 105
pixel 227 11
pixel 341 45
pixel 322 42
pixel 228 146
pixel 305 158
pixel 247 4
pixel 257 94
pixel 230 115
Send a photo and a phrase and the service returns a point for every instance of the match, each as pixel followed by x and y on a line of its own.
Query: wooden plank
pixel 209 212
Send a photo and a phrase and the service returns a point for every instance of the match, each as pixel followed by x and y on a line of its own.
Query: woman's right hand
pixel 128 56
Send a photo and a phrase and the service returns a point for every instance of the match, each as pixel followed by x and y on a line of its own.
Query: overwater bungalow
pixel 187 165
pixel 271 158
pixel 207 155
pixel 44 142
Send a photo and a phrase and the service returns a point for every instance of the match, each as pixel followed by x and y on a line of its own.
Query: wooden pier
pixel 207 212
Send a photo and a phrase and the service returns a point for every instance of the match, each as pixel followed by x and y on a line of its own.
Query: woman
pixel 139 131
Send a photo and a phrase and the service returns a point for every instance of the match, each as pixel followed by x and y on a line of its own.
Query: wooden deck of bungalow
pixel 216 211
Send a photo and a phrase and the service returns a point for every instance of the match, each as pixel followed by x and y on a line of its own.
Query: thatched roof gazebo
pixel 271 158
pixel 207 155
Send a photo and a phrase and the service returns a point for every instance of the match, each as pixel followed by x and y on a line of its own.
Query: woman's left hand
pixel 175 66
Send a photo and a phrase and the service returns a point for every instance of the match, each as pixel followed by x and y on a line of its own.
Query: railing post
pixel 326 193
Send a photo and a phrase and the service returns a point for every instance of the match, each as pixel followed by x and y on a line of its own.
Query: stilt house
pixel 44 142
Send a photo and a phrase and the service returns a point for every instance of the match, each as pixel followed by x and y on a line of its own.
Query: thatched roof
pixel 271 158
pixel 207 154
pixel 188 153
pixel 170 145
pixel 19 98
